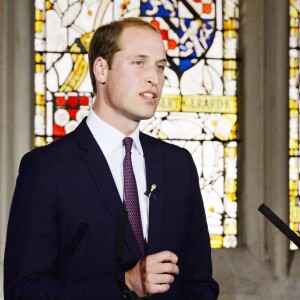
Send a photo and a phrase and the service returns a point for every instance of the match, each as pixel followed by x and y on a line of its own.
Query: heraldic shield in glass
pixel 198 109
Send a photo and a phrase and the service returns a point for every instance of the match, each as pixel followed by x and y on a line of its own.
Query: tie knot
pixel 127 142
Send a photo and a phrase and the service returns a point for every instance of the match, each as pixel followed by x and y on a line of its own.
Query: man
pixel 67 238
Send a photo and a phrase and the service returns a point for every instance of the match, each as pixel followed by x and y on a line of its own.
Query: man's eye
pixel 161 67
pixel 138 63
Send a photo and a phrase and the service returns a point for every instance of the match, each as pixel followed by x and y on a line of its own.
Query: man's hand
pixel 153 274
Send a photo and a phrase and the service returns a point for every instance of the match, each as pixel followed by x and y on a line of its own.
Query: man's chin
pixel 146 117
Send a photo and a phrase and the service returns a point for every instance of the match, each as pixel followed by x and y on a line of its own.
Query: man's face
pixel 134 83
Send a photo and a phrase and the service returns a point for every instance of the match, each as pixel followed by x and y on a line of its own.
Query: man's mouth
pixel 149 95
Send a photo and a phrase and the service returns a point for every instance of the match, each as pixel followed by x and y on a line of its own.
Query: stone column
pixel 276 119
pixel 17 98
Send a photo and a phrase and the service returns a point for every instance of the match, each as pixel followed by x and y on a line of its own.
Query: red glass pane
pixel 58 130
pixel 73 101
pixel 73 113
pixel 84 100
pixel 60 101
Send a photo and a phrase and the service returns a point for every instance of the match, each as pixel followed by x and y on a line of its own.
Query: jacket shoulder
pixel 63 148
pixel 164 145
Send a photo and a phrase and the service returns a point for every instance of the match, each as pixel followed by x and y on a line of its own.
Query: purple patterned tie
pixel 131 195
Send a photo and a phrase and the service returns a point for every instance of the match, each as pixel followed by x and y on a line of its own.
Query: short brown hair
pixel 105 41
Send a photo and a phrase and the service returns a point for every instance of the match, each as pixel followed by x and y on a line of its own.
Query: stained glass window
pixel 198 108
pixel 294 162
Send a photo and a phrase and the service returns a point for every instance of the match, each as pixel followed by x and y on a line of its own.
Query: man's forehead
pixel 127 31
pixel 135 39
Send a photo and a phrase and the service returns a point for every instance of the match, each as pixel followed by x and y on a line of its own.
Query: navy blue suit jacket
pixel 63 221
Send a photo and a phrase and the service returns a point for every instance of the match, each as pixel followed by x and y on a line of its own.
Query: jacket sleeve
pixel 198 283
pixel 32 255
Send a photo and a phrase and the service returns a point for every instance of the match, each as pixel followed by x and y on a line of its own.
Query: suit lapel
pixel 108 192
pixel 154 175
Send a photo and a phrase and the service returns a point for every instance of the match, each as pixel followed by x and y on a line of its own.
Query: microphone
pixel 151 193
pixel 275 220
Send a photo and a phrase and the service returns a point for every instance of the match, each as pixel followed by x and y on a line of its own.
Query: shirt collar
pixel 108 137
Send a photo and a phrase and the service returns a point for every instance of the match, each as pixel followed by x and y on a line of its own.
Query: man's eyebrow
pixel 163 60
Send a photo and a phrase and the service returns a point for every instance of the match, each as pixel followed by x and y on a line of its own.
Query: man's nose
pixel 152 76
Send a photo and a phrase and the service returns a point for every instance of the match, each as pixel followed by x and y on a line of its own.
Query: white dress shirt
pixel 110 140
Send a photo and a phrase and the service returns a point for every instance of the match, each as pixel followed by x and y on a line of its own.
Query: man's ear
pixel 100 70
